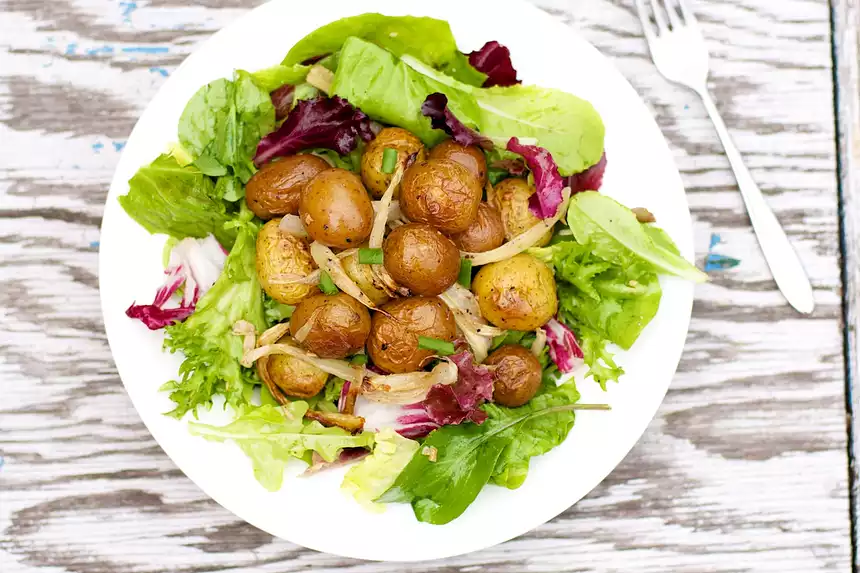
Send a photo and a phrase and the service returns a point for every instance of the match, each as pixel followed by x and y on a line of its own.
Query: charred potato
pixel 512 200
pixel 517 375
pixel 393 341
pixel 421 258
pixel 517 294
pixel 293 376
pixel 340 325
pixel 280 254
pixel 362 275
pixel 485 234
pixel 336 209
pixel 276 188
pixel 441 193
pixel 469 156
pixel 400 140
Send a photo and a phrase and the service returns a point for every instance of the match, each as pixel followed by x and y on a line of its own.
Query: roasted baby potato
pixel 517 376
pixel 280 254
pixel 485 234
pixel 336 209
pixel 512 200
pixel 293 376
pixel 276 188
pixel 393 341
pixel 400 140
pixel 441 193
pixel 362 275
pixel 469 156
pixel 339 325
pixel 421 258
pixel 517 294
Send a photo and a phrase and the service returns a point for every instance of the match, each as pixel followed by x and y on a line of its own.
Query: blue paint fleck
pixel 98 146
pixel 95 244
pixel 146 49
pixel 686 107
pixel 714 262
pixel 127 8
pixel 70 49
pixel 2 461
pixel 118 145
pixel 161 71
pixel 100 50
pixel 715 240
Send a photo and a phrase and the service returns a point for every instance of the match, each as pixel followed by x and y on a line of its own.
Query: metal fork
pixel 679 52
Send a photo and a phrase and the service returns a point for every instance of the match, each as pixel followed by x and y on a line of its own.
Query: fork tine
pixel 672 12
pixel 662 27
pixel 647 27
pixel 689 17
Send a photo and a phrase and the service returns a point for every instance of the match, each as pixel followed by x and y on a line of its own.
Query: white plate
pixel 641 172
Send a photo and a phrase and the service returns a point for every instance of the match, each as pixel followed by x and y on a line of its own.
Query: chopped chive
pixel 359 359
pixel 389 160
pixel 326 284
pixel 465 277
pixel 442 347
pixel 370 256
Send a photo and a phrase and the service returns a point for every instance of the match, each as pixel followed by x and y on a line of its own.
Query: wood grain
pixel 744 469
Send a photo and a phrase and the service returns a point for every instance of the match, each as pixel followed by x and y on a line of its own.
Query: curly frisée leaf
pixel 270 436
pixel 212 352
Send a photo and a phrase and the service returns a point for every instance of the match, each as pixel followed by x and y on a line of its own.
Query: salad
pixel 387 253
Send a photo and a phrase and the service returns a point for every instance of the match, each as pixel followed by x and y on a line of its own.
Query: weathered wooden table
pixel 746 467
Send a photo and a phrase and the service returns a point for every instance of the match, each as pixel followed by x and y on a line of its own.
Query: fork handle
pixel 780 255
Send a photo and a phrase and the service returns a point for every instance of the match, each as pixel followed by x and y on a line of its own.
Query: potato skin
pixel 395 138
pixel 517 294
pixel 363 277
pixel 441 193
pixel 340 328
pixel 279 253
pixel 486 233
pixel 469 156
pixel 421 258
pixel 393 341
pixel 512 200
pixel 517 377
pixel 336 209
pixel 277 188
pixel 293 376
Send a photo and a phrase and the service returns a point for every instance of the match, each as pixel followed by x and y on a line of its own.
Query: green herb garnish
pixel 441 347
pixel 389 160
pixel 370 256
pixel 326 284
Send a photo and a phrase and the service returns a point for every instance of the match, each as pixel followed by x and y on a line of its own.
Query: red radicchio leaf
pixel 590 179
pixel 494 60
pixel 436 108
pixel 445 405
pixel 314 59
pixel 546 199
pixel 320 122
pixel 513 166
pixel 563 347
pixel 346 456
pixel 282 99
pixel 196 263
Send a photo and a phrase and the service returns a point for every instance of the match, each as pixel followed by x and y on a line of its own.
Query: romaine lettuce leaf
pixel 614 234
pixel 212 352
pixel 373 475
pixel 270 79
pixel 223 123
pixel 270 438
pixel 427 39
pixel 468 456
pixel 164 197
pixel 392 91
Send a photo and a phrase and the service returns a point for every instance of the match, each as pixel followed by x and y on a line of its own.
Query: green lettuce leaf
pixel 223 123
pixel 270 79
pixel 164 197
pixel 468 456
pixel 275 311
pixel 270 439
pixel 373 475
pixel 392 90
pixel 427 39
pixel 212 352
pixel 614 234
